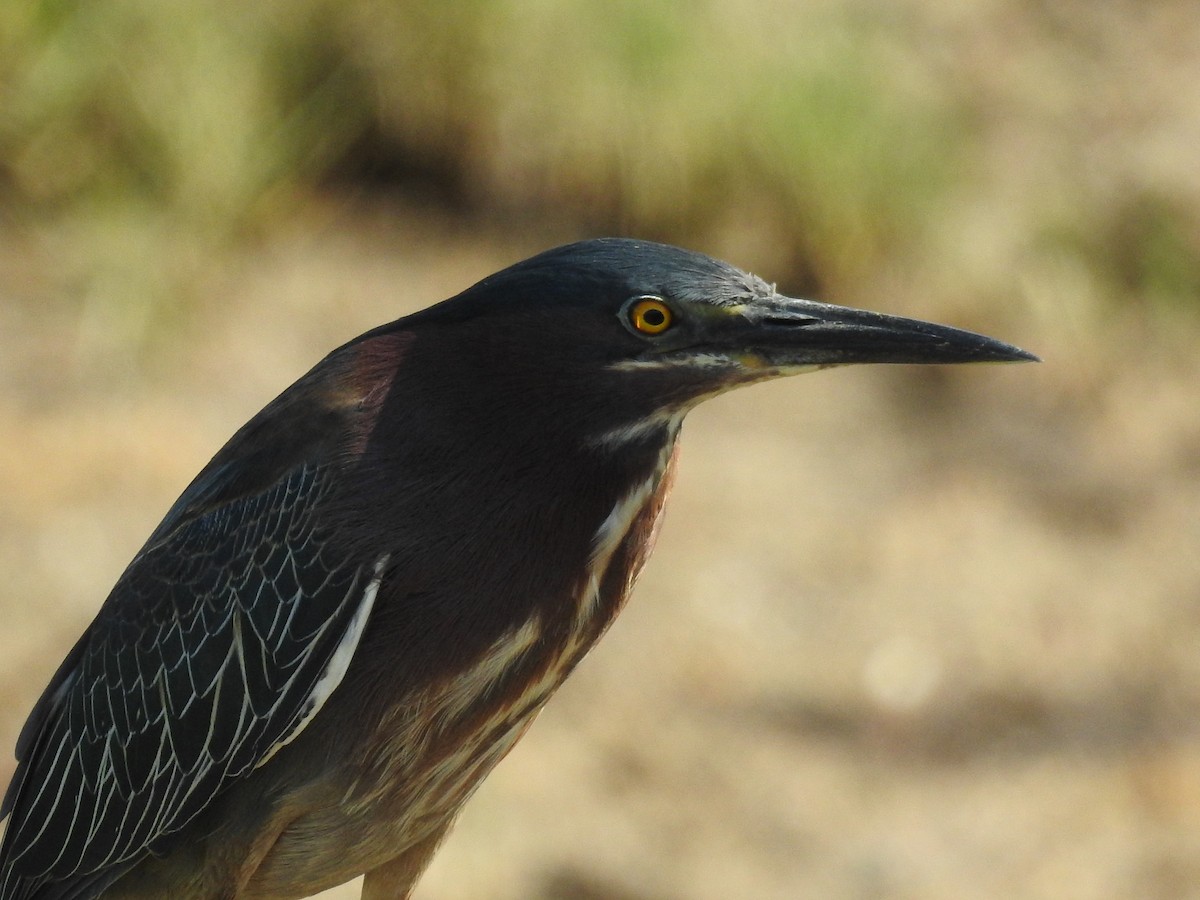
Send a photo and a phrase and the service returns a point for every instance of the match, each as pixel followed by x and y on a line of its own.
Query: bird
pixel 360 604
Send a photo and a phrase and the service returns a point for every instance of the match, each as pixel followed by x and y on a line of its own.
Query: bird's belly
pixel 423 755
pixel 428 754
pixel 335 842
pixel 434 753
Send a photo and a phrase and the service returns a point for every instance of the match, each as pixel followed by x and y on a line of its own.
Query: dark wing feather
pixel 196 668
pixel 200 664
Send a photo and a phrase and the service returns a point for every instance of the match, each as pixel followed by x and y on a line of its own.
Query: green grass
pixel 823 141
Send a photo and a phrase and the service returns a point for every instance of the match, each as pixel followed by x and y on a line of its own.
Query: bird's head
pixel 619 338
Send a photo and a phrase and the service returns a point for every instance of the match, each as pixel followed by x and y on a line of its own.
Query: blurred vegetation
pixel 841 145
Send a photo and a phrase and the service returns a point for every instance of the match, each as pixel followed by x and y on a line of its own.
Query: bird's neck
pixel 508 618
pixel 503 532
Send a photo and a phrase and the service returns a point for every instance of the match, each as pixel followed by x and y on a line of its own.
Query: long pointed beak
pixel 785 332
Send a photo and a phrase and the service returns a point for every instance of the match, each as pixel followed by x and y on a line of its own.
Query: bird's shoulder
pixel 324 418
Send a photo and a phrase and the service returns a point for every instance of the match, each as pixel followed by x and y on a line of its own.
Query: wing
pixel 216 647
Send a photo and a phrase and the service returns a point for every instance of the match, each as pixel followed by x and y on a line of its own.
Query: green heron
pixel 360 604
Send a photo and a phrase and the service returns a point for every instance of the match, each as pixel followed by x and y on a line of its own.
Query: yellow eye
pixel 649 315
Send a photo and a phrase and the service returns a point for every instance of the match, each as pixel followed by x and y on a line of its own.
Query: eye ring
pixel 649 315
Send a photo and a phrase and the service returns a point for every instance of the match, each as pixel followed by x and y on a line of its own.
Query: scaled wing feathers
pixel 211 652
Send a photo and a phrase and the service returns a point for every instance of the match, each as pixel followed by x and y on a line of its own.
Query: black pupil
pixel 653 317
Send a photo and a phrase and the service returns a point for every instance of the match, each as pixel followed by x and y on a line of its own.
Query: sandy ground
pixel 908 633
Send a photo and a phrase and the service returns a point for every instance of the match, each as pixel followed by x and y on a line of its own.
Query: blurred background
pixel 909 633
